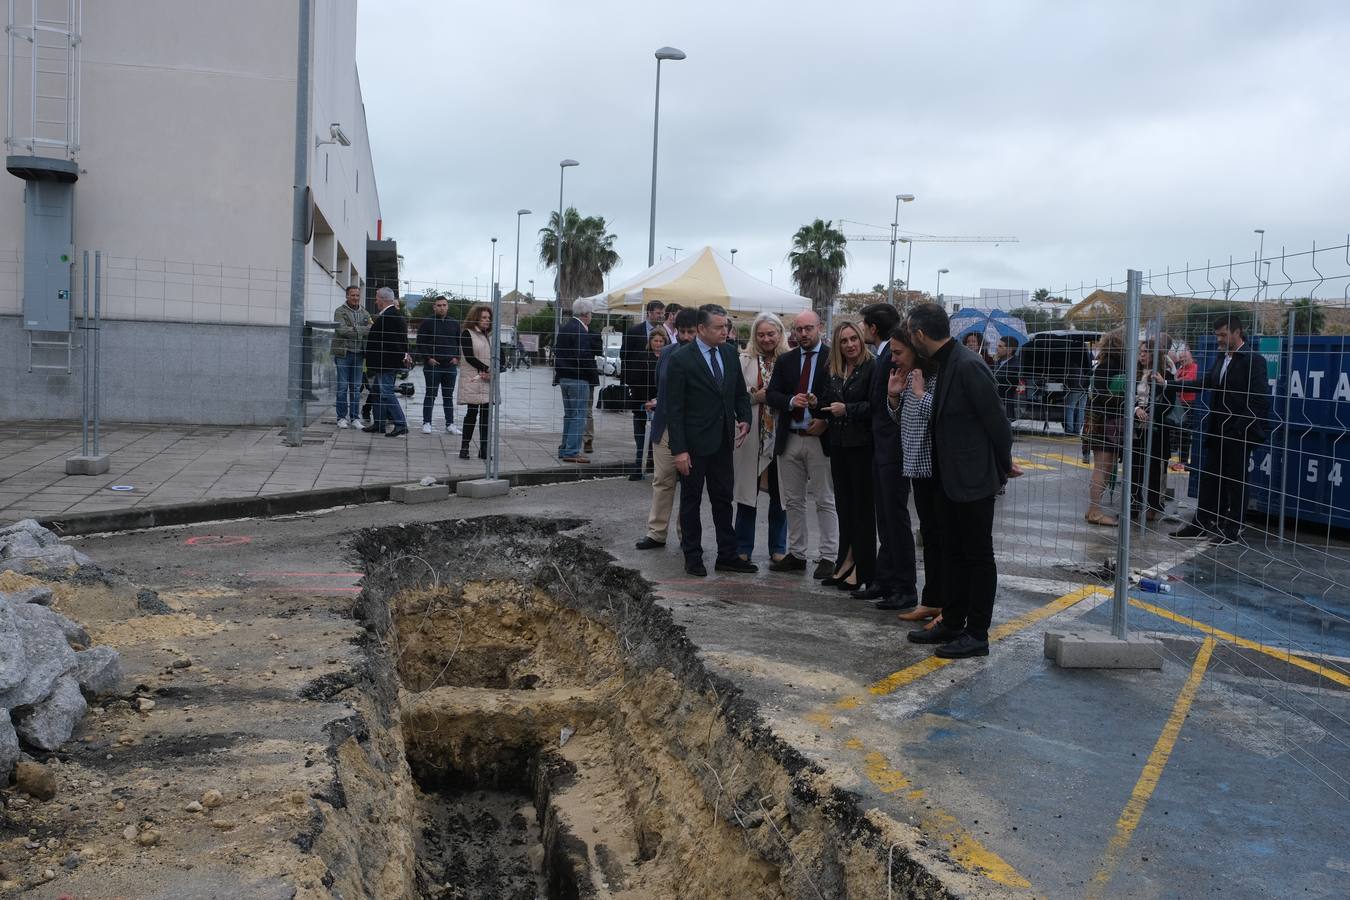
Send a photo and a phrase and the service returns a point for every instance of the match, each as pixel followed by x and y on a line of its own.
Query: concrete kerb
pixel 138 518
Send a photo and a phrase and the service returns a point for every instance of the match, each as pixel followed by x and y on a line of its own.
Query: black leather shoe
pixel 788 563
pixel 736 564
pixel 397 432
pixel 938 635
pixel 868 593
pixel 636 476
pixel 1224 540
pixel 695 567
pixel 649 544
pixel 963 647
pixel 1191 532
pixel 371 429
pixel 896 602
pixel 824 569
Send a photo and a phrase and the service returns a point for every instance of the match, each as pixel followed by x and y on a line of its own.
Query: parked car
pixel 608 361
pixel 1052 363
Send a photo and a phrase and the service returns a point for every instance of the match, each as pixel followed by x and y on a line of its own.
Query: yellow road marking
pixel 966 848
pixel 1283 655
pixel 896 680
pixel 1075 461
pixel 1028 464
pixel 1153 770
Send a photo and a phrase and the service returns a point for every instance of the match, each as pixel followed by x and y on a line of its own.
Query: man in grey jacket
pixel 349 344
pixel 972 460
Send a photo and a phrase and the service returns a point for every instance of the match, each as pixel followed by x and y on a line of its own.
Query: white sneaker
pixel 454 429
pixel 343 423
pixel 426 428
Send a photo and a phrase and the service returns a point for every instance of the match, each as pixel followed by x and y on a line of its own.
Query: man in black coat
pixel 896 573
pixel 438 338
pixel 1238 418
pixel 708 415
pixel 575 374
pixel 972 460
pixel 386 354
pixel 634 356
pixel 801 448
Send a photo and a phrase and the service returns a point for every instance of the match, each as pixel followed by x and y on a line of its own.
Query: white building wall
pixel 187 149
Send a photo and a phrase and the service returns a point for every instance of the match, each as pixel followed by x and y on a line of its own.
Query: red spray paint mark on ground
pixel 218 540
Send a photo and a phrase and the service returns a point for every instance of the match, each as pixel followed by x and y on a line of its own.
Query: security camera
pixel 336 133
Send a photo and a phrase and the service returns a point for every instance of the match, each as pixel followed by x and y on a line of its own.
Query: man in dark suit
pixel 663 464
pixel 634 355
pixel 1238 418
pixel 896 585
pixel 972 460
pixel 708 415
pixel 801 448
pixel 386 353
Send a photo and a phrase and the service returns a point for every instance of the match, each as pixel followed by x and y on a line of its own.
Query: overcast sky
pixel 1102 135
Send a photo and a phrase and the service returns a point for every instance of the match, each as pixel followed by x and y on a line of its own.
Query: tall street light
pixel 1260 256
pixel 895 231
pixel 495 342
pixel 909 259
pixel 733 256
pixel 515 301
pixel 558 247
pixel 941 272
pixel 661 55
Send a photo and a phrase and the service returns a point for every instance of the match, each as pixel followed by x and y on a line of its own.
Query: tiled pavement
pixel 169 464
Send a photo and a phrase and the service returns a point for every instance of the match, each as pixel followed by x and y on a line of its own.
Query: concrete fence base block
pixel 88 465
pixel 1100 650
pixel 483 487
pixel 418 493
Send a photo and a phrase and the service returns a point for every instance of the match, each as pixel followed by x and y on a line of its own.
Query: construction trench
pixel 530 722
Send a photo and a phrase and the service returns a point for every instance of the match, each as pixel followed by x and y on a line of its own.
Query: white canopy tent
pixel 702 277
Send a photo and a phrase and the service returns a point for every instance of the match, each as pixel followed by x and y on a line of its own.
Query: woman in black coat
pixel 846 400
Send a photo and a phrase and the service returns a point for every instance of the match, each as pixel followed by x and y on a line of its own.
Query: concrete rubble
pixel 47 666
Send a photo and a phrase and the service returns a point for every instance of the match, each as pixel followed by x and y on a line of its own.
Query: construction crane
pixel 900 238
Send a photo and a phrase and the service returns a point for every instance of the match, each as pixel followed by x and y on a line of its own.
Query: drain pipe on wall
pixel 295 404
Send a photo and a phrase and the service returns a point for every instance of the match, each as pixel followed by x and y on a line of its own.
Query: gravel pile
pixel 47 666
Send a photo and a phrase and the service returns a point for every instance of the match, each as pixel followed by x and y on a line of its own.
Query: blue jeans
pixel 348 386
pixel 386 405
pixel 1075 406
pixel 575 394
pixel 778 529
pixel 442 377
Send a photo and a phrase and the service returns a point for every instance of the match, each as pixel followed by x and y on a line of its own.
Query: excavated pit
pixel 564 740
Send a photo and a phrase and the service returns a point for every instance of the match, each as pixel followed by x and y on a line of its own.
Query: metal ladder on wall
pixel 49 347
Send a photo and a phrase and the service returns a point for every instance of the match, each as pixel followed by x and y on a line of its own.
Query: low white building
pixel 182 121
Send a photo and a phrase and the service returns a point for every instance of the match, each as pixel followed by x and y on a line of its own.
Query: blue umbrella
pixel 989 324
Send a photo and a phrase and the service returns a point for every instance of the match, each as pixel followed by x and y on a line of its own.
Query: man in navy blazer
pixel 663 464
pixel 707 415
pixel 972 460
pixel 801 449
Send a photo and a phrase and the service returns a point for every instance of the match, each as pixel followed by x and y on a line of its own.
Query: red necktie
pixel 803 382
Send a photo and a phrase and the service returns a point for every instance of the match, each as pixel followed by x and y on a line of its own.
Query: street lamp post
pixel 663 54
pixel 941 272
pixel 494 369
pixel 1260 256
pixel 676 251
pixel 515 300
pixel 733 256
pixel 895 233
pixel 770 276
pixel 909 259
pixel 558 247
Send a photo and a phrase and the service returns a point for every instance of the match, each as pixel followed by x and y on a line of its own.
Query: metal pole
pixel 557 270
pixel 295 413
pixel 890 280
pixel 1134 279
pixel 909 261
pixel 490 469
pixel 515 291
pixel 98 340
pixel 84 415
pixel 1288 409
pixel 656 123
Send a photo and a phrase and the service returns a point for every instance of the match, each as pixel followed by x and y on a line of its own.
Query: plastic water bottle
pixel 1153 586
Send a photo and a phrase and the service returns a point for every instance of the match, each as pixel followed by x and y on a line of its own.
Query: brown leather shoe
pixel 919 613
pixel 582 460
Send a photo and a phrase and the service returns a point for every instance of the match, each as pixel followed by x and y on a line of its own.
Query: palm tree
pixel 1309 317
pixel 588 252
pixel 818 262
pixel 1042 295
